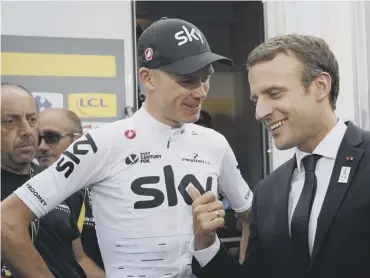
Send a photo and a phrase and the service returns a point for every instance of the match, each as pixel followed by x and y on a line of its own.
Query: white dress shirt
pixel 328 148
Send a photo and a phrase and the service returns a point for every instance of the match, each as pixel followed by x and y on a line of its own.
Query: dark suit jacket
pixel 342 242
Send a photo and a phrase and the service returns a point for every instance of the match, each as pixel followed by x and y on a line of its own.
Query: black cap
pixel 176 46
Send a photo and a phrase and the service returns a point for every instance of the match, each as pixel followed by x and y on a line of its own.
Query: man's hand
pixel 208 216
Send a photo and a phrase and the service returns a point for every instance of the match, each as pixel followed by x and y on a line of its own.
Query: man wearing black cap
pixel 140 169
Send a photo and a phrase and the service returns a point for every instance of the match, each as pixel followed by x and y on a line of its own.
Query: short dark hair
pixel 313 52
pixel 7 84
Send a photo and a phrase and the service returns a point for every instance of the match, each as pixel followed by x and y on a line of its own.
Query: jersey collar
pixel 147 122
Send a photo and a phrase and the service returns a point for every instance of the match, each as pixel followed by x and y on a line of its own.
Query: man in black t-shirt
pixel 87 229
pixel 58 128
pixel 55 235
pixel 10 181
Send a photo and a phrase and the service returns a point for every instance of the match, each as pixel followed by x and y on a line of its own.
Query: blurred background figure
pixel 58 129
pixel 205 119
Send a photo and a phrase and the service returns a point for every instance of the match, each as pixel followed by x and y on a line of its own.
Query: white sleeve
pixel 206 255
pixel 231 183
pixel 82 164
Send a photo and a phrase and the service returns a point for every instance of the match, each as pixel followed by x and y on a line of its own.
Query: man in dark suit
pixel 311 216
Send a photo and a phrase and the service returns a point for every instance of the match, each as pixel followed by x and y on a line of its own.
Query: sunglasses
pixel 52 137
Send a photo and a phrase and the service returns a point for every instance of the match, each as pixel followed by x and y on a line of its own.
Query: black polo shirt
pixel 53 234
pixel 88 234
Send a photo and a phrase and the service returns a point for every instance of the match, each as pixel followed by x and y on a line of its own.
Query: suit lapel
pixel 348 156
pixel 281 222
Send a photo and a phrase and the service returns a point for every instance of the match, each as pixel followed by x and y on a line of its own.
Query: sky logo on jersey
pixel 68 160
pixel 93 105
pixel 48 100
pixel 142 186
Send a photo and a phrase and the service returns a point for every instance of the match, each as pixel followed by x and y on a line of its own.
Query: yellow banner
pixel 62 65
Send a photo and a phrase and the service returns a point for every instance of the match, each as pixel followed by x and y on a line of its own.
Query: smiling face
pixel 292 113
pixel 175 99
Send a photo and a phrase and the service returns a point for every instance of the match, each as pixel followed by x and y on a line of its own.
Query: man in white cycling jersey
pixel 139 169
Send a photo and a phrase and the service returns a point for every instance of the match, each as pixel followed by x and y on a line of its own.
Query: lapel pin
pixel 344 174
pixel 349 158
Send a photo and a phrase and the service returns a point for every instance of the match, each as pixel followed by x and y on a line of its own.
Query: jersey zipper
pixel 174 135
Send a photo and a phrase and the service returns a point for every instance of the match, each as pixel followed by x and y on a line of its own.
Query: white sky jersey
pixel 138 170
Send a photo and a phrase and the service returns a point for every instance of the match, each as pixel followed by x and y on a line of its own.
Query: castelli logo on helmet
pixel 148 54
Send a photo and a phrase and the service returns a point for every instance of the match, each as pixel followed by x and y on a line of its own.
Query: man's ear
pixel 145 76
pixel 322 85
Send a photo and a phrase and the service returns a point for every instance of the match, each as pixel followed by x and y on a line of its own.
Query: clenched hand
pixel 208 216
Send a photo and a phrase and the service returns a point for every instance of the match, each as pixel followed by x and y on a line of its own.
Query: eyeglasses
pixel 52 137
